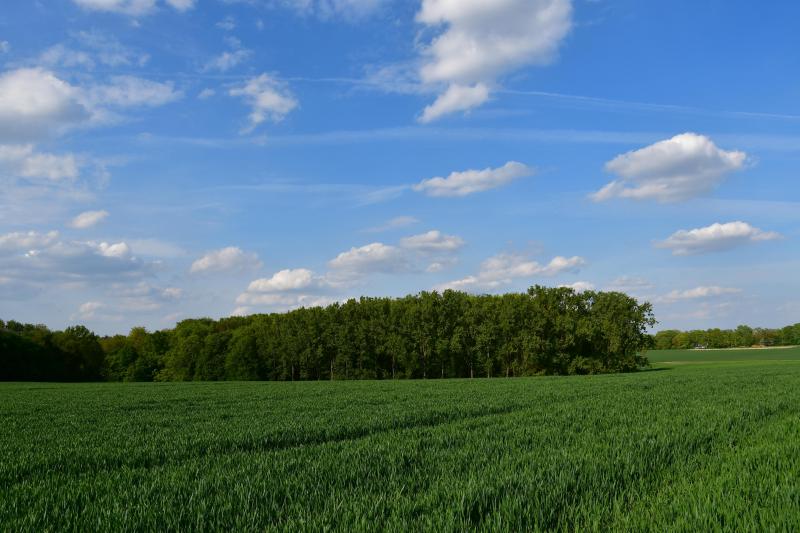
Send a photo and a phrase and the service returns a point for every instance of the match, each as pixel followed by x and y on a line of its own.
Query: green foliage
pixel 695 448
pixel 741 337
pixel 430 335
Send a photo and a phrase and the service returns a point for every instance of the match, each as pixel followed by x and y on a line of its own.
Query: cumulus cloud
pixel 699 293
pixel 34 257
pixel 714 238
pixel 675 169
pixel 269 99
pixel 227 259
pixel 34 103
pixel 579 286
pixel 472 181
pixel 503 269
pixel 134 8
pixel 248 303
pixel 87 219
pixel 284 290
pixel 480 41
pixel 285 280
pixel 373 257
pixel 432 241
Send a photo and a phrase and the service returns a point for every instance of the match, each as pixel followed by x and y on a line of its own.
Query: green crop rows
pixel 690 447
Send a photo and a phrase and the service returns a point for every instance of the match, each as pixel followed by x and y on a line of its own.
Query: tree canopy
pixel 428 335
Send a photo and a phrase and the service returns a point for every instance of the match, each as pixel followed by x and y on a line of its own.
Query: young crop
pixel 694 447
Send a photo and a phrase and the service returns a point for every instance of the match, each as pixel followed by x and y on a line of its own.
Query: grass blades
pixel 696 447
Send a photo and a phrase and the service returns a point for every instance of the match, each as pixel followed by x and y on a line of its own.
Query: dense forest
pixel 429 335
pixel 741 337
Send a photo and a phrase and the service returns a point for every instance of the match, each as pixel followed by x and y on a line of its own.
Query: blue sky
pixel 165 159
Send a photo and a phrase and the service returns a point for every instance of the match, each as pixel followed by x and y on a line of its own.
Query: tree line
pixel 428 335
pixel 741 337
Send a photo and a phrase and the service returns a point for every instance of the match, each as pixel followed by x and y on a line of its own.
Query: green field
pixel 741 354
pixel 689 447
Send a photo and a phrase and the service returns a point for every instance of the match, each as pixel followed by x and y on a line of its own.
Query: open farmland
pixel 693 447
pixel 791 353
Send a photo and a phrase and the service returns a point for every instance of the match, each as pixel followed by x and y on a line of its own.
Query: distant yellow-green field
pixel 742 354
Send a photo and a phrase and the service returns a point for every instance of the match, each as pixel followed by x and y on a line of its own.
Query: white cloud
pixel 35 103
pixel 373 257
pixel 88 310
pixel 227 259
pixel 227 60
pixel 716 237
pixel 118 250
pixel 455 98
pixel 472 181
pixel 284 290
pixel 87 219
pixel 394 223
pixel 24 241
pixel 679 168
pixel 5 47
pixel 481 41
pixel 130 91
pixel 579 286
pixel 278 302
pixel 134 8
pixel 42 258
pixel 285 280
pixel 432 241
pixel 23 161
pixel 269 99
pixel 699 293
pixel 206 93
pixel 503 269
